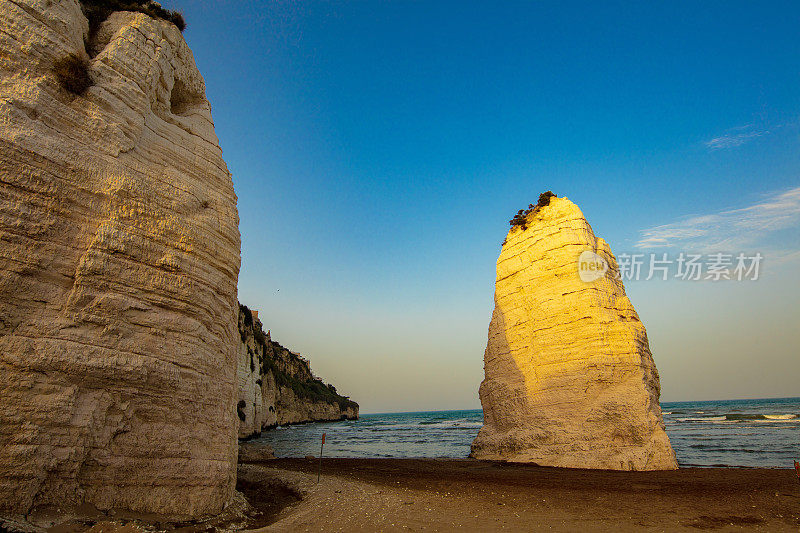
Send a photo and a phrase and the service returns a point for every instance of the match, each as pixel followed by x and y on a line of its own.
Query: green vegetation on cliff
pixel 521 218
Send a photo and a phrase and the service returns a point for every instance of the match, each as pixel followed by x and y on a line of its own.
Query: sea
pixel 749 433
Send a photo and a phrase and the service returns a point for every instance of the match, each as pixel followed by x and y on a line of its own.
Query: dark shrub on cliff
pixel 247 314
pixel 240 409
pixel 258 334
pixel 73 73
pixel 544 198
pixel 521 218
pixel 97 11
pixel 177 18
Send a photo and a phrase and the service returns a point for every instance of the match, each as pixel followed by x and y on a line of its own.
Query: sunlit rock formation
pixel 570 380
pixel 119 258
pixel 277 387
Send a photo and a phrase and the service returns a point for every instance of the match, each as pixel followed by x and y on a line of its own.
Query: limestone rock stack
pixel 119 258
pixel 570 381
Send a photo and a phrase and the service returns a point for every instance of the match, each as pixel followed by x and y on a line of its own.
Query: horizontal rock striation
pixel 277 387
pixel 119 258
pixel 569 378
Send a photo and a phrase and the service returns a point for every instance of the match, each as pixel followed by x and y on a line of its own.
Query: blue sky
pixel 379 149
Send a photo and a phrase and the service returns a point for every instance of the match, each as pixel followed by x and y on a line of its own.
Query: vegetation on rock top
pixel 521 218
pixel 99 10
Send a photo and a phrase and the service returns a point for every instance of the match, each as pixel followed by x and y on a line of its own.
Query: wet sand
pixel 448 494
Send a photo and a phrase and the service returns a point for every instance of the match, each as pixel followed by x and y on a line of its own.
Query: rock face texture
pixel 119 258
pixel 277 387
pixel 570 381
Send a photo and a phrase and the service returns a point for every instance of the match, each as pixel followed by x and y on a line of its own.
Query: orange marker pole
pixel 319 471
pixel 796 468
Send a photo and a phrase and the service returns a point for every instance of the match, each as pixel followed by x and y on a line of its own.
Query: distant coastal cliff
pixel 277 387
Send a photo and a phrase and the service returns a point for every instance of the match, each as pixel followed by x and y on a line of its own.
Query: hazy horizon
pixel 378 151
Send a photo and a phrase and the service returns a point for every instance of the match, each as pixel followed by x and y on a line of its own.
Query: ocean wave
pixel 450 424
pixel 436 420
pixel 702 419
pixel 743 417
pixel 758 416
pixel 390 427
pixel 452 421
pixel 707 448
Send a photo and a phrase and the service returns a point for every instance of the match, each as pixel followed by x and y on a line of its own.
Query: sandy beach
pixel 470 495
pixel 449 494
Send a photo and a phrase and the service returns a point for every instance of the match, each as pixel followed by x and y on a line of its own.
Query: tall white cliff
pixel 119 259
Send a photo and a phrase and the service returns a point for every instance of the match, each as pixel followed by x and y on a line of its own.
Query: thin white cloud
pixel 735 137
pixel 738 229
